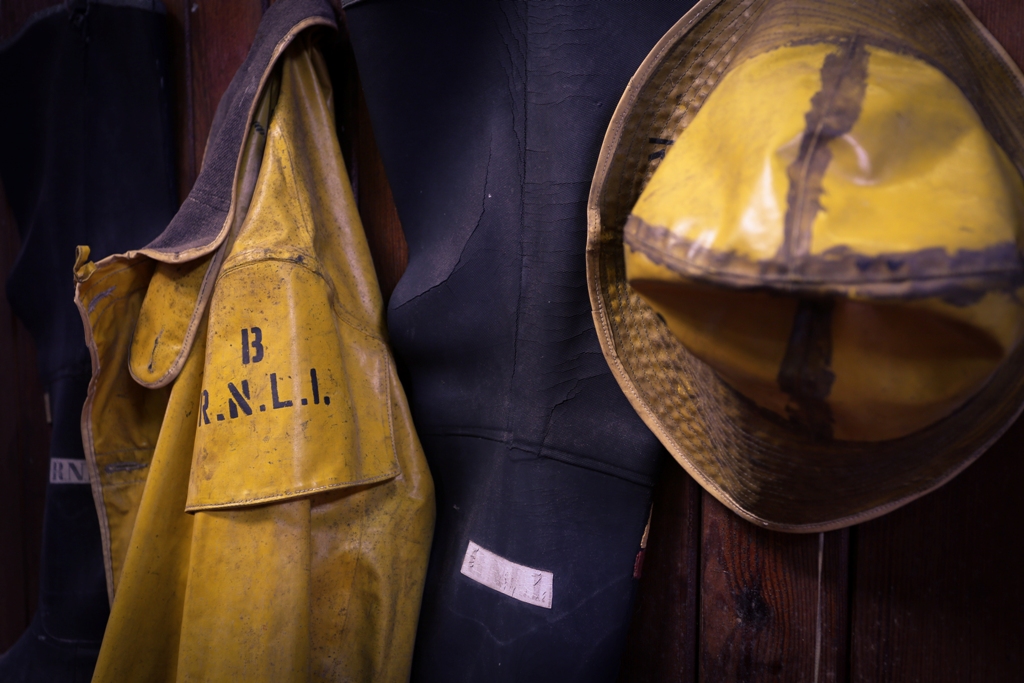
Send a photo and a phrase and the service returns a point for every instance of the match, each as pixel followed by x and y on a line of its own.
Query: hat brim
pixel 762 467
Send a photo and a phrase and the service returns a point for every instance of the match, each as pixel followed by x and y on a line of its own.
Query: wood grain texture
pixel 219 34
pixel 366 170
pixel 668 590
pixel 377 207
pixel 1005 21
pixel 179 31
pixel 938 584
pixel 773 605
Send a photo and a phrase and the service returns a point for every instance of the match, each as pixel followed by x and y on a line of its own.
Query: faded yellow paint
pixel 889 187
pixel 272 515
pixel 918 170
pixel 722 184
pixel 917 179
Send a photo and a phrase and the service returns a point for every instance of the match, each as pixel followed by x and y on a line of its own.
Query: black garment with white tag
pixel 489 115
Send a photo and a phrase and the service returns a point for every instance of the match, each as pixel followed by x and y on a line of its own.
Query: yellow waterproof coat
pixel 265 505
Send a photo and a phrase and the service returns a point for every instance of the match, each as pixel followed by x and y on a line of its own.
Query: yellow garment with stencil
pixel 265 504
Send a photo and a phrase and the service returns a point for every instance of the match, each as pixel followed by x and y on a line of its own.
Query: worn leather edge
pixel 213 270
pixel 204 217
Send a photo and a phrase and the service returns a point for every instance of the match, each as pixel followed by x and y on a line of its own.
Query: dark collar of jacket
pixel 202 221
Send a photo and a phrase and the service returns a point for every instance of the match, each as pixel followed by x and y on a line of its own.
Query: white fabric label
pixel 67 471
pixel 526 584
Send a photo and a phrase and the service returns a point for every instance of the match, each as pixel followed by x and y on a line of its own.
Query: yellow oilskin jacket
pixel 265 505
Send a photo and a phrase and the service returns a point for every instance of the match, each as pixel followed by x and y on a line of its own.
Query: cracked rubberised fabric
pixel 489 117
pixel 88 159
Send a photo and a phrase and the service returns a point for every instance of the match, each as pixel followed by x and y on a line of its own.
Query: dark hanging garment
pixel 87 158
pixel 489 116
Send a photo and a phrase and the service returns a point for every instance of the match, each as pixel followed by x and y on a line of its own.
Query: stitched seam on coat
pixel 296 493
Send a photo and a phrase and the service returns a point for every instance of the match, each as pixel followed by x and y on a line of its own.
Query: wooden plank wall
pixel 931 592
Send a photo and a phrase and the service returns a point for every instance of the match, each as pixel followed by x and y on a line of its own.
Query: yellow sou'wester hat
pixel 804 251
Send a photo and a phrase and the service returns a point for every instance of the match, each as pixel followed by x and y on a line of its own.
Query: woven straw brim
pixel 762 467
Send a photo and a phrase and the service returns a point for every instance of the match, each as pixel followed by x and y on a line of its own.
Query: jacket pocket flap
pixel 295 398
pixel 168 321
